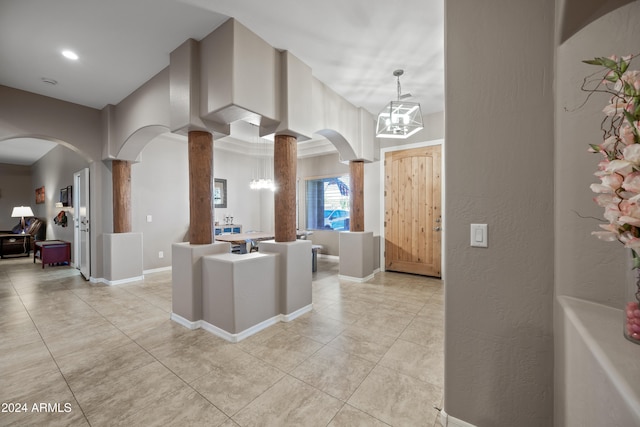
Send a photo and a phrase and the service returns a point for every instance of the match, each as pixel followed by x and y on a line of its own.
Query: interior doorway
pixel 413 210
pixel 81 232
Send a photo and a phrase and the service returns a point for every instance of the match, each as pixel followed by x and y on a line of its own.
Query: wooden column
pixel 285 159
pixel 200 187
pixel 121 180
pixel 356 194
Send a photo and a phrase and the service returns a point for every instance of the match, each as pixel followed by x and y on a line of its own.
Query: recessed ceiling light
pixel 69 54
pixel 47 80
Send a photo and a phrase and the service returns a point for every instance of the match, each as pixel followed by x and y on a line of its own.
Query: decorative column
pixel 122 249
pixel 356 194
pixel 121 177
pixel 200 187
pixel 356 243
pixel 285 158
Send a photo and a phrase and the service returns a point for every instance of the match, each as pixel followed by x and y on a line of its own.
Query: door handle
pixel 437 228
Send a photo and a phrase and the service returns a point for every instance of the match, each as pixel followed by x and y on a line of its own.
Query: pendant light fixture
pixel 399 119
pixel 263 171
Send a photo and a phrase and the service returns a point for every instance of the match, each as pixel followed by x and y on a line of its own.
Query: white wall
pixel 160 188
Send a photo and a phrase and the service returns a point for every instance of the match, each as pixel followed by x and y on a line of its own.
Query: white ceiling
pixel 352 46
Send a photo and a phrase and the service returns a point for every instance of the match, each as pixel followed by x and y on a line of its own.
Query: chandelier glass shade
pixel 263 171
pixel 399 119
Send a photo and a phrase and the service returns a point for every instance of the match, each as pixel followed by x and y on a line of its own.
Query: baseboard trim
pixel 185 322
pixel 448 421
pixel 116 282
pixel 234 338
pixel 331 257
pixel 292 316
pixel 157 270
pixel 356 279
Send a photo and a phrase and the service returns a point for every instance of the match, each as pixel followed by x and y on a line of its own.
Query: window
pixel 327 203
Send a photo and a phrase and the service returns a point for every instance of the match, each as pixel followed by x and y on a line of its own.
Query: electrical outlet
pixel 160 254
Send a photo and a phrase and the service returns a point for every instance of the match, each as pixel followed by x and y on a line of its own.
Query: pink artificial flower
pixel 630 212
pixel 632 181
pixel 604 200
pixel 626 134
pixel 615 108
pixel 633 243
pixel 612 214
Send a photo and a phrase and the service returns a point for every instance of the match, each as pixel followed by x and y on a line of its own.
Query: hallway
pixel 369 354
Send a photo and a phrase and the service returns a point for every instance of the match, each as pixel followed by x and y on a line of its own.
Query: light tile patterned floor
pixel 369 354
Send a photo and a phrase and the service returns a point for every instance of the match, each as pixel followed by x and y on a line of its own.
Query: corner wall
pixel 55 171
pixel 589 343
pixel 499 166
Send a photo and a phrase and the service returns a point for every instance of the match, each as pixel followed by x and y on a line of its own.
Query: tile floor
pixel 369 354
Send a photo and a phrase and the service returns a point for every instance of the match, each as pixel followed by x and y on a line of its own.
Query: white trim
pixel 234 338
pixel 157 270
pixel 299 312
pixel 448 421
pixel 186 323
pixel 356 279
pixel 115 282
pixel 332 257
pixel 383 151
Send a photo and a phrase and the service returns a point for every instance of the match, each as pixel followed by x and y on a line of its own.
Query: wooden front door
pixel 412 211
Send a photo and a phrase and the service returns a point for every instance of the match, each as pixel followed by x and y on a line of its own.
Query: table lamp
pixel 21 211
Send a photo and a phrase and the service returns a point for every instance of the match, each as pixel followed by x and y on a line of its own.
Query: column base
pixel 356 255
pixel 186 276
pixel 294 271
pixel 122 258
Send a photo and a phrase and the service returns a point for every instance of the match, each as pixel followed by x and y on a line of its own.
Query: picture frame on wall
pixel 66 196
pixel 39 195
pixel 219 193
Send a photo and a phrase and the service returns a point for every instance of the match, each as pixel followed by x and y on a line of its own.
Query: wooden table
pixel 52 252
pixel 26 243
pixel 241 238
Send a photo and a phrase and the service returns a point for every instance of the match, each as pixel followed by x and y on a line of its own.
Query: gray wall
pixel 586 267
pixel 580 256
pixel 499 171
pixel 55 171
pixel 15 190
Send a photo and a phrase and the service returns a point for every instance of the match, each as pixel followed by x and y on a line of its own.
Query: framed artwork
pixel 66 196
pixel 219 193
pixel 39 195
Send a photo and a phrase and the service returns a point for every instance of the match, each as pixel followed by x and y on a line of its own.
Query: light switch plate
pixel 479 238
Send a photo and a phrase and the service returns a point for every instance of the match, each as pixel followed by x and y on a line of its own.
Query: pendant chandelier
pixel 263 170
pixel 399 119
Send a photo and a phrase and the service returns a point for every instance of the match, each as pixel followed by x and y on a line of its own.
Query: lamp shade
pixel 21 211
pixel 399 119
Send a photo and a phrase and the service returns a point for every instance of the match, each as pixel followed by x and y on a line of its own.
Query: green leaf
pixel 628 89
pixel 623 65
pixel 609 63
pixel 629 117
pixel 595 147
pixel 595 61
pixel 636 259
